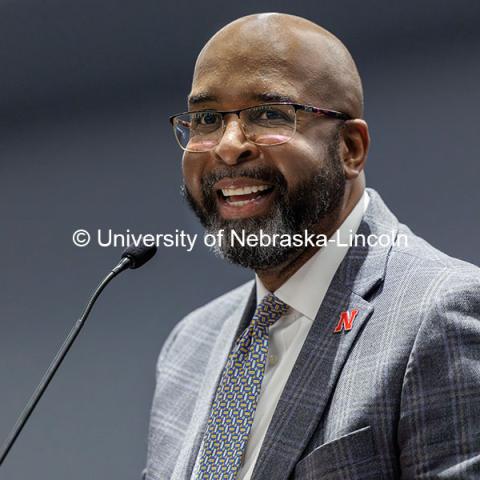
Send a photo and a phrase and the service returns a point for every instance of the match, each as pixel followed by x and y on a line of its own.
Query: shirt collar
pixel 305 289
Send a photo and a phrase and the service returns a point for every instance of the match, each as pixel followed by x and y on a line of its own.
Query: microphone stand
pixel 37 394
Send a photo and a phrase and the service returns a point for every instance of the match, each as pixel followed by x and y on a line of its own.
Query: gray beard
pixel 254 257
pixel 293 213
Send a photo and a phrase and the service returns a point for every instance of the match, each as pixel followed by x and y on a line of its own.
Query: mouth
pixel 243 197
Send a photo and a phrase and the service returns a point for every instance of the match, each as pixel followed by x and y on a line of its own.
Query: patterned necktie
pixel 235 402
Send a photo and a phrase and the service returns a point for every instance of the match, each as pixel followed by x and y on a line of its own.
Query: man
pixel 339 361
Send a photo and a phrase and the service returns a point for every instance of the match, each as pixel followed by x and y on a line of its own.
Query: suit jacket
pixel 397 396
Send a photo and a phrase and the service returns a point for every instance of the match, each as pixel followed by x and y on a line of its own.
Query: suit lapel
pixel 323 355
pixel 310 384
pixel 227 335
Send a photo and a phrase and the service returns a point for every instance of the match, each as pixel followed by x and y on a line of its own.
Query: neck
pixel 275 277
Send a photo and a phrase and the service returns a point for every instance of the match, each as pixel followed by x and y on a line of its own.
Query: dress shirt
pixel 304 292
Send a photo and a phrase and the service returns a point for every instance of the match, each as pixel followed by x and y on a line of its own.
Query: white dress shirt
pixel 304 292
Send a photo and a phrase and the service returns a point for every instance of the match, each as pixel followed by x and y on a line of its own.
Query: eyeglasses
pixel 268 124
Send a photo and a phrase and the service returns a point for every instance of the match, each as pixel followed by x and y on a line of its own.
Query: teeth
pixel 244 190
pixel 239 203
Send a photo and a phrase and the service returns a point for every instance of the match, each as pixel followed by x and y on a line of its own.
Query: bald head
pixel 291 52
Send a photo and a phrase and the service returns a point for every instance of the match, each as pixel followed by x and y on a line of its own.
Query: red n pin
pixel 346 321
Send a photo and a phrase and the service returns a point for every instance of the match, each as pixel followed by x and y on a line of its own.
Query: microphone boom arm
pixel 56 362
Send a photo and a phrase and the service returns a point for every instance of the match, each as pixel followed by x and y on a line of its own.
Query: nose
pixel 234 147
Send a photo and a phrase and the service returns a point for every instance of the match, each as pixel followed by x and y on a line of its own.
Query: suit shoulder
pixel 430 259
pixel 205 321
pixel 433 286
pixel 219 308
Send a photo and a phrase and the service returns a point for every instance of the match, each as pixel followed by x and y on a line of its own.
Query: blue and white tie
pixel 236 398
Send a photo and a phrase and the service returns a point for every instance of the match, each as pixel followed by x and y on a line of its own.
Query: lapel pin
pixel 346 321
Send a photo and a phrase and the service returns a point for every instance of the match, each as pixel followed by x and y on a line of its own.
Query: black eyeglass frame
pixel 298 106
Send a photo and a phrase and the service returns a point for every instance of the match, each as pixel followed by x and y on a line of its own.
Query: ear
pixel 354 147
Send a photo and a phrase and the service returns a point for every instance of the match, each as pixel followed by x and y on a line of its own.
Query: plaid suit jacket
pixel 396 397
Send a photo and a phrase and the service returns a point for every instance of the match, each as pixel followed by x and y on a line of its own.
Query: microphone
pixel 132 257
pixel 138 256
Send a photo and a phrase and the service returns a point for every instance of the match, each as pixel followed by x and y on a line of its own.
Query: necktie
pixel 236 398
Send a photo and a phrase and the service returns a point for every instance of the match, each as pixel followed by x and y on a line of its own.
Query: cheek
pixel 192 169
pixel 299 162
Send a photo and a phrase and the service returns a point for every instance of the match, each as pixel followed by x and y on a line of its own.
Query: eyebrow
pixel 201 98
pixel 271 97
pixel 267 97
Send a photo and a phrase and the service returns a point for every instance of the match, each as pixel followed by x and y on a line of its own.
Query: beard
pixel 311 203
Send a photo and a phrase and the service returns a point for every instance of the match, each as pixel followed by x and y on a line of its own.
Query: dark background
pixel 85 91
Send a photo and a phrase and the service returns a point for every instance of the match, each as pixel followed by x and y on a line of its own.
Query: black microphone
pixel 138 256
pixel 132 257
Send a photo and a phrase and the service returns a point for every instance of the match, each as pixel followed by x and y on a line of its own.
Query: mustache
pixel 267 174
pixel 206 209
